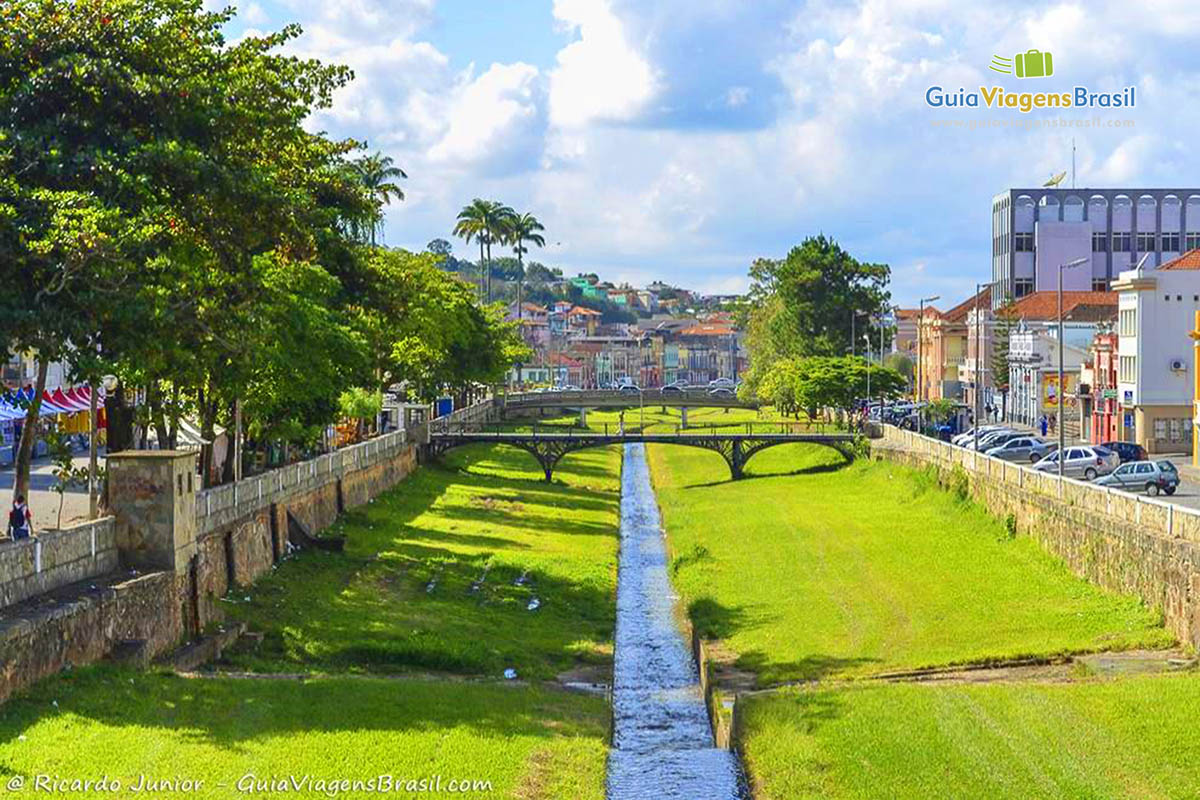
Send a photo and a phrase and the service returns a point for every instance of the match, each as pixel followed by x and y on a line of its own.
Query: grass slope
pixel 485 515
pixel 848 570
pixel 1131 738
pixel 532 744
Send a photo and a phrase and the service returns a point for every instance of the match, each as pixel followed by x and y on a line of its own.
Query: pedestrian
pixel 20 519
pixel 1044 424
pixel 1053 421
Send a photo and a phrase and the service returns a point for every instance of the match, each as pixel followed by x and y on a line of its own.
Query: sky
pixel 679 140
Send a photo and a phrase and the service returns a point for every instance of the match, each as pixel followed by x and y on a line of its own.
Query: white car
pixel 963 439
pixel 722 383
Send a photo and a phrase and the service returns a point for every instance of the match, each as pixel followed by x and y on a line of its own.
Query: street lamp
pixel 867 339
pixel 920 358
pixel 978 383
pixel 1061 430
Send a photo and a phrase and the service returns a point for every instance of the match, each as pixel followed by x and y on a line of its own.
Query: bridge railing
pixel 698 396
pixel 569 430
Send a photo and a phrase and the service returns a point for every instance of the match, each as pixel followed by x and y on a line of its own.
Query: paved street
pixel 43 500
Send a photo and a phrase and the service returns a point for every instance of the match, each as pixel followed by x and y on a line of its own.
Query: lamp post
pixel 1061 347
pixel 920 359
pixel 978 360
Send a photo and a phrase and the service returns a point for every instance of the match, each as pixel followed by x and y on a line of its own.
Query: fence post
pixel 37 555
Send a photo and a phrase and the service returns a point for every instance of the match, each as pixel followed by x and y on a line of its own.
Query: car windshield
pixel 1166 466
pixel 1102 451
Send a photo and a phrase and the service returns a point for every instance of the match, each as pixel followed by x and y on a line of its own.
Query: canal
pixel 662 742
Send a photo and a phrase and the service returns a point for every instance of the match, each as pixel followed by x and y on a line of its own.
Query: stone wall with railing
pixel 222 505
pixel 55 558
pixel 1125 542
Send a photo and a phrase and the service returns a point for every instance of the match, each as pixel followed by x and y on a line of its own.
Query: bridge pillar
pixel 683 416
pixel 737 461
pixel 582 417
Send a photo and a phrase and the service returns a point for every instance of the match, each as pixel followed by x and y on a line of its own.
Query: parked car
pixel 994 439
pixel 1128 451
pixel 1149 476
pixel 966 437
pixel 1023 448
pixel 722 383
pixel 672 388
pixel 569 387
pixel 1081 461
pixel 724 392
pixel 630 388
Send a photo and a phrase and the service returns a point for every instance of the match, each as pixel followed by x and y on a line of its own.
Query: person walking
pixel 20 519
pixel 1044 424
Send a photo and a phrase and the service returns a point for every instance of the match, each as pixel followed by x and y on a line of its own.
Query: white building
pixel 1033 370
pixel 1154 367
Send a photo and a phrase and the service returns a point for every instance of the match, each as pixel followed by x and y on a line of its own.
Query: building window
pixel 1193 241
pixel 1145 242
pixel 1120 242
pixel 1128 369
pixel 1023 242
pixel 1099 284
pixel 1022 287
pixel 1128 322
pixel 1170 242
pixel 1099 242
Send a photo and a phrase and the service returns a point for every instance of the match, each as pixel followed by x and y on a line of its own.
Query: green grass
pixel 371 608
pixel 531 743
pixel 837 570
pixel 1130 738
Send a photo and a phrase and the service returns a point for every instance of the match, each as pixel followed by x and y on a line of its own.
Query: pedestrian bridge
pixel 616 398
pixel 735 443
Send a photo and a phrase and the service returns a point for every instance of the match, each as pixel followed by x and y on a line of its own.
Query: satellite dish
pixel 1055 180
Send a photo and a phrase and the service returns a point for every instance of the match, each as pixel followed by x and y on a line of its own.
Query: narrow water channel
pixel 662 743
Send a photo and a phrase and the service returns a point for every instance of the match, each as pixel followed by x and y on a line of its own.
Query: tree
pixel 378 174
pixel 487 222
pixel 804 304
pixel 360 405
pixel 439 247
pixel 522 229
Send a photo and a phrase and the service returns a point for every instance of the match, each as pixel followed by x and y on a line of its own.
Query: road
pixel 43 500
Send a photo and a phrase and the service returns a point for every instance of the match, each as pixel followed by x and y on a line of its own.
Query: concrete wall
pixel 56 558
pixel 1122 542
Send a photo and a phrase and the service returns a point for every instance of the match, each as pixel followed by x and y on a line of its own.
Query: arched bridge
pixel 626 398
pixel 736 445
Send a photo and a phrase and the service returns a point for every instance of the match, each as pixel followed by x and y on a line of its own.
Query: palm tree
pixel 487 221
pixel 378 174
pixel 523 228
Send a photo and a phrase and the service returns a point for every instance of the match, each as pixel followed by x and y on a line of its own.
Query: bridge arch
pixel 737 449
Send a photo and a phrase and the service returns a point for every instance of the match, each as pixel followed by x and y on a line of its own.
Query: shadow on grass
pixel 813 469
pixel 715 621
pixel 231 713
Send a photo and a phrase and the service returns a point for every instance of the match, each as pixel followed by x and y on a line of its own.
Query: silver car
pixel 1023 448
pixel 1082 461
pixel 1149 476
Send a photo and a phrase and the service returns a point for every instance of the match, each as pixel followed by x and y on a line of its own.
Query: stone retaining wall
pixel 1123 542
pixel 55 558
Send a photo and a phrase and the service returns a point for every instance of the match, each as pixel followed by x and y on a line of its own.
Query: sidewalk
pixel 43 500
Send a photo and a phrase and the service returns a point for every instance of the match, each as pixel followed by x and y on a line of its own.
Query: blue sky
pixel 681 139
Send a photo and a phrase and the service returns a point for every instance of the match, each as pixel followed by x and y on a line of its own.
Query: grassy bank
pixel 439 574
pixel 1130 738
pixel 529 743
pixel 815 568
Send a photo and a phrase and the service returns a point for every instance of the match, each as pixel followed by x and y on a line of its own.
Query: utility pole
pixel 920 390
pixel 1061 347
pixel 978 361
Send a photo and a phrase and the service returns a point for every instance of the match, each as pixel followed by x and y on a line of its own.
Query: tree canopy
pixel 167 217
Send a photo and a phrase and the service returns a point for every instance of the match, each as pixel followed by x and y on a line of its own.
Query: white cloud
pixel 600 76
pixel 490 115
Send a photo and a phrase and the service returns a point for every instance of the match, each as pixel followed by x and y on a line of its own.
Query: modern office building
pixel 1036 230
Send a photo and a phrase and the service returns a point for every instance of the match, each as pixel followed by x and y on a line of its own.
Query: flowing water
pixel 662 742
